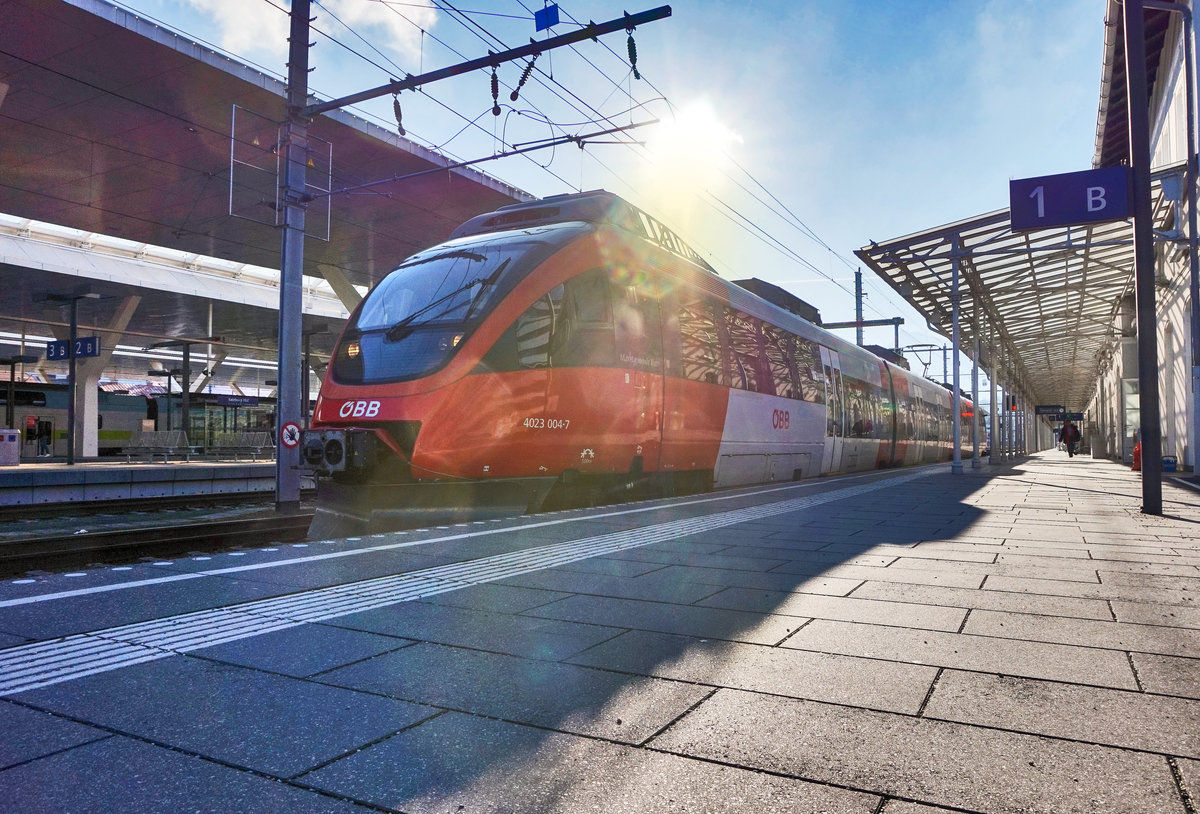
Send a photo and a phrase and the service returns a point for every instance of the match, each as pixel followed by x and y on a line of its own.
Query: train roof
pixel 594 207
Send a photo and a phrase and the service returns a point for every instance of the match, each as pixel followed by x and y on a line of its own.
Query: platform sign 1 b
pixel 1091 196
pixel 84 346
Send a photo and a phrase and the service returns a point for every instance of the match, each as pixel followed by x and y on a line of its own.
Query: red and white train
pixel 573 348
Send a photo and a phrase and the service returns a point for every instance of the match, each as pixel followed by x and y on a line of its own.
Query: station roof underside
pixel 115 126
pixel 1045 304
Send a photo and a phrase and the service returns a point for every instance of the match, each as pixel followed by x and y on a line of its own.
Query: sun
pixel 688 159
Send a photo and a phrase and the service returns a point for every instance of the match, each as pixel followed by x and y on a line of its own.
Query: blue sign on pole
pixel 84 346
pixel 1091 196
pixel 546 17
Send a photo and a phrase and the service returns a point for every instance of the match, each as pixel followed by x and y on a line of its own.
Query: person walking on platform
pixel 1069 435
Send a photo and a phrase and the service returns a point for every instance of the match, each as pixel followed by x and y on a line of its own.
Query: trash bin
pixel 10 447
pixel 1169 463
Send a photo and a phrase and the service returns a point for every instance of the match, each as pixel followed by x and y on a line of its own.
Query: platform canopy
pixel 117 127
pixel 1045 304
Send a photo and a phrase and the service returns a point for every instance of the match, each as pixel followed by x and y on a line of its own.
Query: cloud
pixel 260 30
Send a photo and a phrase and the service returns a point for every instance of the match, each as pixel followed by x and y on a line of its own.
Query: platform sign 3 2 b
pixel 62 349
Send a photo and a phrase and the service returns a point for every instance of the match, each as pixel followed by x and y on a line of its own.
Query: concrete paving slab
pixel 27 734
pixel 779 671
pixel 771 581
pixel 558 584
pixel 121 774
pixel 919 551
pixel 1189 774
pixel 547 694
pixel 847 609
pixel 238 716
pixel 1168 674
pixel 905 576
pixel 496 598
pixel 687 620
pixel 1152 613
pixel 302 651
pixel 1056 662
pixel 462 763
pixel 462 627
pixel 612 567
pixel 991 600
pixel 1086 632
pixel 922 760
pixel 1132 720
pixel 1086 590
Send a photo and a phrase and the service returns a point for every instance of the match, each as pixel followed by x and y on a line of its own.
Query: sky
pixel 789 134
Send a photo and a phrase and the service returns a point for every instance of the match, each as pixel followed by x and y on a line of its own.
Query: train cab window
pixel 700 344
pixel 637 328
pixel 583 331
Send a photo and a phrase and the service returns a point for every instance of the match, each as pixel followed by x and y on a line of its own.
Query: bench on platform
pixel 150 443
pixel 236 444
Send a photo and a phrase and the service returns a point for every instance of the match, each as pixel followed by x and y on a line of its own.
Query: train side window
pixel 583 331
pixel 534 328
pixel 808 370
pixel 700 343
pixel 743 349
pixel 781 361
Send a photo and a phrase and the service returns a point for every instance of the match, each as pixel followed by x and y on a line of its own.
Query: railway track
pixel 131 543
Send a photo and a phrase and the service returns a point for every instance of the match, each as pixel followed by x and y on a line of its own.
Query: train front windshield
pixel 412 322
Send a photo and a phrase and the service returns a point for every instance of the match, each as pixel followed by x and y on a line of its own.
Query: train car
pixel 572 349
pixel 40 411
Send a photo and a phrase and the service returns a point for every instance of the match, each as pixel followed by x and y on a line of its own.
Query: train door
pixel 835 420
pixel 637 326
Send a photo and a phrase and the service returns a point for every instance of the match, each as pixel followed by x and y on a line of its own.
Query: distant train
pixel 574 348
pixel 40 410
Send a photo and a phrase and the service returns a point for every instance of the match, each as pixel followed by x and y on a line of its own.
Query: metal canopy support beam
pixel 956 466
pixel 1143 253
pixel 993 374
pixel 975 462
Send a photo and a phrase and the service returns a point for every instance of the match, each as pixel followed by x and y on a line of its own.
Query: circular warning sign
pixel 289 434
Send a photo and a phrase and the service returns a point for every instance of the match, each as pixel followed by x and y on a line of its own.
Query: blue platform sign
pixel 1073 198
pixel 84 346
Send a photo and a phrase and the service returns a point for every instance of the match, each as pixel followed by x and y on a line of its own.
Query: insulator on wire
pixel 399 117
pixel 633 57
pixel 524 78
pixel 495 93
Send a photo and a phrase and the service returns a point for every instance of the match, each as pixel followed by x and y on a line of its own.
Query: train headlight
pixel 353 349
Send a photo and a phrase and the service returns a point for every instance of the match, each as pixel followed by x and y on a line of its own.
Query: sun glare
pixel 688 157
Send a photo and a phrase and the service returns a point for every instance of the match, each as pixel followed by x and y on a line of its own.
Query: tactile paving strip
pixel 28 667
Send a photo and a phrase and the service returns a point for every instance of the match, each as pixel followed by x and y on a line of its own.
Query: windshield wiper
pixel 404 327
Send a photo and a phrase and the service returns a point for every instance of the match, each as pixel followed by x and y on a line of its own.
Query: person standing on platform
pixel 1069 435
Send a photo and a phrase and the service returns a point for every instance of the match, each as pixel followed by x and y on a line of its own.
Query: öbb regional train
pixel 572 349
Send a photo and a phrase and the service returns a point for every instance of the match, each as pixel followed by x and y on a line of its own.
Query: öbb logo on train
pixel 359 409
pixel 781 419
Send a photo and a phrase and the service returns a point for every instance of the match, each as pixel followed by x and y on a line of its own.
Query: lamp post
pixel 168 374
pixel 186 374
pixel 12 362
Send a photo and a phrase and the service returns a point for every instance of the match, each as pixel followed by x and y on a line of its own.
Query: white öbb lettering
pixel 359 409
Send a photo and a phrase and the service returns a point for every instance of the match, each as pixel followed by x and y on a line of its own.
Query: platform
pixel 56 482
pixel 1017 638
